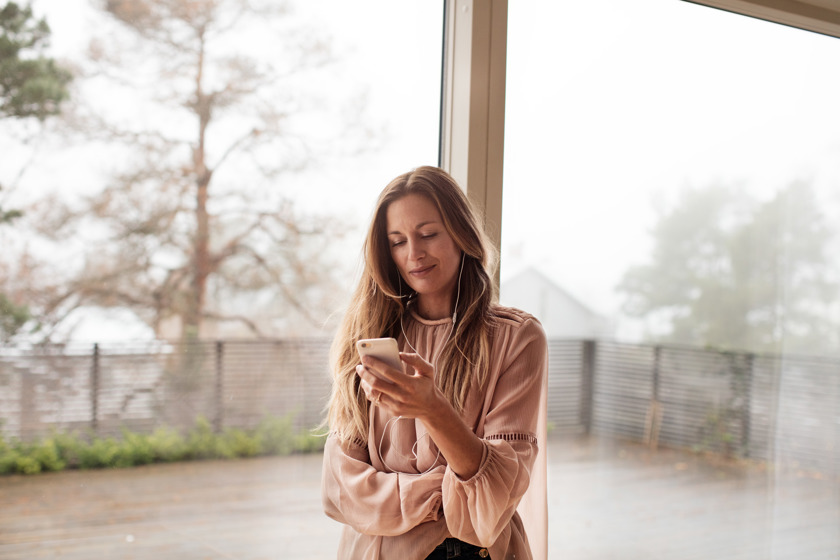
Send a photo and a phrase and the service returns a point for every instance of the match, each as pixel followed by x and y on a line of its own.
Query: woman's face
pixel 424 253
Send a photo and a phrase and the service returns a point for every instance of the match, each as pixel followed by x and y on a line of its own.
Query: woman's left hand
pixel 412 394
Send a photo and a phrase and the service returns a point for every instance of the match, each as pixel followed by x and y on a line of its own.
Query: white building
pixel 560 313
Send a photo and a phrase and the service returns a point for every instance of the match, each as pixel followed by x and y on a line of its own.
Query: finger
pixel 360 371
pixel 383 370
pixel 372 384
pixel 421 366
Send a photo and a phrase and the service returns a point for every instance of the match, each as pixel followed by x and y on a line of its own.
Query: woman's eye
pixel 428 235
pixel 397 243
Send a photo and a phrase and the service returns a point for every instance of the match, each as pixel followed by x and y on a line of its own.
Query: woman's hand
pixel 413 394
pixel 410 394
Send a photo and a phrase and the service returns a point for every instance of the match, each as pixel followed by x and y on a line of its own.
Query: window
pixel 670 209
pixel 368 108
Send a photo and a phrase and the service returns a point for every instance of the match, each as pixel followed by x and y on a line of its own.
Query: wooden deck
pixel 607 500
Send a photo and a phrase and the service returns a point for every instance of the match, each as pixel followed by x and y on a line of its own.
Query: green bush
pixel 134 449
pixel 276 436
pixel 8 461
pixel 273 436
pixel 100 453
pixel 48 456
pixel 32 458
pixel 309 442
pixel 168 445
pixel 70 448
pixel 27 465
pixel 202 442
pixel 237 443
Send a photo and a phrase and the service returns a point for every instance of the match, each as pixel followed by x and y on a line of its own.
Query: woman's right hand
pixel 410 394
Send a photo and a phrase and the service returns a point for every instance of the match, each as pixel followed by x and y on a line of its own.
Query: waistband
pixel 456 548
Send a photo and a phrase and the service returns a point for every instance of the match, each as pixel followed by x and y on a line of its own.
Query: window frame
pixel 473 103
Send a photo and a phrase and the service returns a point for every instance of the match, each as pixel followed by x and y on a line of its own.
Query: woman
pixel 432 461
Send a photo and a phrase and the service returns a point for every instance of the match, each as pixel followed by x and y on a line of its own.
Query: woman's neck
pixel 434 308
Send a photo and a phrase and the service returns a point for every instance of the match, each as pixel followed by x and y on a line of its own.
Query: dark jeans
pixel 455 549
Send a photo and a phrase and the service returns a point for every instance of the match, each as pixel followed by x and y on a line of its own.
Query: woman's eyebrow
pixel 418 226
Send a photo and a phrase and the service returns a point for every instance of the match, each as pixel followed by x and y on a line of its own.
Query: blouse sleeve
pixel 477 510
pixel 374 502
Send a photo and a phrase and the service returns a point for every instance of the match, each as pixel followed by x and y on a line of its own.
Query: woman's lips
pixel 421 271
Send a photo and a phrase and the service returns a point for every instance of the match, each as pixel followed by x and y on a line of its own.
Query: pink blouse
pixel 394 492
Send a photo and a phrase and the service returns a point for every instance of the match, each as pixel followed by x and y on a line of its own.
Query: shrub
pixel 31 458
pixel 134 449
pixel 201 442
pixel 101 453
pixel 273 436
pixel 48 456
pixel 168 445
pixel 8 461
pixel 237 443
pixel 309 442
pixel 70 448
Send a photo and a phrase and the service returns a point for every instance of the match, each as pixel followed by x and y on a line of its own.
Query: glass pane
pixel 352 112
pixel 670 210
pixel 356 104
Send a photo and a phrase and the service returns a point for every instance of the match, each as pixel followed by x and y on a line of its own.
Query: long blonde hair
pixel 377 306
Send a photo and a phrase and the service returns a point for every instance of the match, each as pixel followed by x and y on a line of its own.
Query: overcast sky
pixel 612 103
pixel 609 105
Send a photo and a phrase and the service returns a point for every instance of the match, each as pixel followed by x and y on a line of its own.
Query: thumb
pixel 421 366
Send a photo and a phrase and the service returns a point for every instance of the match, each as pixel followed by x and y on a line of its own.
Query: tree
pixel 194 224
pixel 31 85
pixel 12 316
pixel 727 271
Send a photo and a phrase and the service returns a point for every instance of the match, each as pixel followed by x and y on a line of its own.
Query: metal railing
pixel 774 408
pixel 106 388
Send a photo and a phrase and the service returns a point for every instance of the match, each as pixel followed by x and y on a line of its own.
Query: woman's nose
pixel 415 250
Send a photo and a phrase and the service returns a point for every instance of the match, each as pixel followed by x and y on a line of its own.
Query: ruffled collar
pixel 429 322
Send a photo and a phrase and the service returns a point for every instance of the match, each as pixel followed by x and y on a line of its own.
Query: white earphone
pixel 434 366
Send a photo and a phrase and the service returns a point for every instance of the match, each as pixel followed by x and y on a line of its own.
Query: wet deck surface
pixel 607 500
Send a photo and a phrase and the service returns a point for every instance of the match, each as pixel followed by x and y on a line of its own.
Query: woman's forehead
pixel 410 212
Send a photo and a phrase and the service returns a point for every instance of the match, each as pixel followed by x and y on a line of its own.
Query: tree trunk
pixel 192 319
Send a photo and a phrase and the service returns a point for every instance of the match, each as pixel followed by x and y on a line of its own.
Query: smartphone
pixel 384 349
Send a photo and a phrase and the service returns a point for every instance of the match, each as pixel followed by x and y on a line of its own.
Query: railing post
pixel 746 423
pixel 94 390
pixel 218 420
pixel 657 352
pixel 587 385
pixel 653 416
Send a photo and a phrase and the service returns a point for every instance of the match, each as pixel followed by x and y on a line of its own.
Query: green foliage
pixel 7 216
pixel 168 445
pixel 12 318
pixel 30 458
pixel 731 272
pixel 273 436
pixel 276 437
pixel 30 84
pixel 202 443
pixel 238 443
pixel 100 453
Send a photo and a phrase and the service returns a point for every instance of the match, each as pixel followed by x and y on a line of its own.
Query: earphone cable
pixel 434 369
